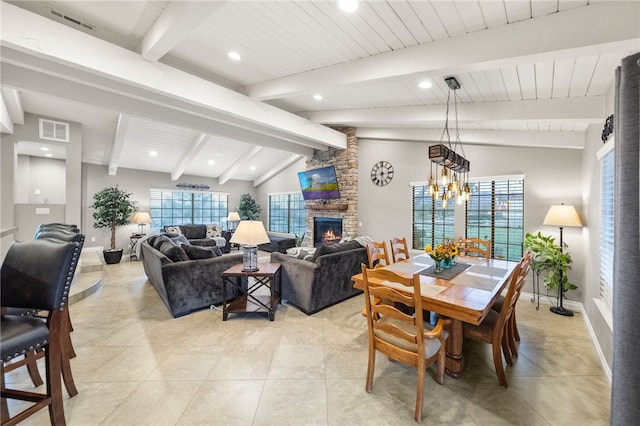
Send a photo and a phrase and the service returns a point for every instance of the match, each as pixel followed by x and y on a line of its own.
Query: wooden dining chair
pixel 513 335
pixel 476 247
pixel 399 249
pixel 400 336
pixel 377 254
pixel 36 275
pixel 493 327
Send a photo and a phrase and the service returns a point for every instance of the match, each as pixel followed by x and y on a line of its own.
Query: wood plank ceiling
pixel 366 66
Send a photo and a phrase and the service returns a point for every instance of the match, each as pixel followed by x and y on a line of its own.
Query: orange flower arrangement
pixel 445 251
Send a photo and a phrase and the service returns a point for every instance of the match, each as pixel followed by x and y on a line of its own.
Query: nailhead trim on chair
pixel 37 347
pixel 70 275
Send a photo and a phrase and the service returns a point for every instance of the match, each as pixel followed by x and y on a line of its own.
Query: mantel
pixel 329 206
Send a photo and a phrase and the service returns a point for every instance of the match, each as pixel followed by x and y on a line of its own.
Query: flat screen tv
pixel 319 184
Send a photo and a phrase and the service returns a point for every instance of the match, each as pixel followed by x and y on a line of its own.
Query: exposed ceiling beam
pixel 13 102
pixel 232 169
pixel 565 109
pixel 118 143
pixel 538 139
pixel 598 27
pixel 177 21
pixel 188 156
pixel 58 51
pixel 276 169
pixel 6 124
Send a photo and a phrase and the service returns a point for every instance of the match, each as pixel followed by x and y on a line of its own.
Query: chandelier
pixel 454 176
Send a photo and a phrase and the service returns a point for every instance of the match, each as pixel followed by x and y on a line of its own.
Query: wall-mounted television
pixel 319 184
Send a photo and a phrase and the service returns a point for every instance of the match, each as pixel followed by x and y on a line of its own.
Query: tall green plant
pixel 548 256
pixel 113 208
pixel 248 209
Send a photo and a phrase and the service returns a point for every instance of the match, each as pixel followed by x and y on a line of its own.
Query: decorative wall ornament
pixel 608 128
pixel 196 186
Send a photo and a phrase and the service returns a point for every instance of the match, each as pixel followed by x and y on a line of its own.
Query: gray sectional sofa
pixel 203 235
pixel 184 282
pixel 325 279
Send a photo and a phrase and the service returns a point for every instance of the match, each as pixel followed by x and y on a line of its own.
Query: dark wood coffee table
pixel 268 276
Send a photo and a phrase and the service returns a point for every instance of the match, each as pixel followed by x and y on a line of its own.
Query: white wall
pixel 47 176
pixel 138 183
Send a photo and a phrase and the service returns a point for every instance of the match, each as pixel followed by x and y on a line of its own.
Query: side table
pixel 133 242
pixel 267 277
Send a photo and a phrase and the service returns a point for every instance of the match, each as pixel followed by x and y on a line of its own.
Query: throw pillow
pixel 322 250
pixel 197 252
pixel 178 239
pixel 160 239
pixel 172 230
pixel 214 230
pixel 173 252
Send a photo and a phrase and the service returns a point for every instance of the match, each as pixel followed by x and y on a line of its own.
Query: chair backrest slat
pixel 399 249
pixel 378 254
pixel 476 247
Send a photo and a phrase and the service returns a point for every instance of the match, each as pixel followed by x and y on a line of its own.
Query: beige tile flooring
pixel 138 366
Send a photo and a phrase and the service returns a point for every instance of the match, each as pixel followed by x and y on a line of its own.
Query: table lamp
pixel 562 216
pixel 141 218
pixel 233 218
pixel 250 233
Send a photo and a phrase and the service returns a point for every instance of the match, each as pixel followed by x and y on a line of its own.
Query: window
pixel 178 208
pixel 287 213
pixel 431 223
pixel 495 211
pixel 607 189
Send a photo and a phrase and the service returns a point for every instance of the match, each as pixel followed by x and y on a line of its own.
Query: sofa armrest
pixel 297 280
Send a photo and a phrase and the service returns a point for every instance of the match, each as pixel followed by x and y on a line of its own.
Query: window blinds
pixel 606 156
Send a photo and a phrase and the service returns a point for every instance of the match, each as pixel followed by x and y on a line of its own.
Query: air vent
pixel 54 130
pixel 72 20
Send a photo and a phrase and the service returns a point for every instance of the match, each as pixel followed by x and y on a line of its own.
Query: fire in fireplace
pixel 326 230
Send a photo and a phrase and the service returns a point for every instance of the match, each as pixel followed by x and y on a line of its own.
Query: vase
pixel 446 263
pixel 454 261
pixel 437 266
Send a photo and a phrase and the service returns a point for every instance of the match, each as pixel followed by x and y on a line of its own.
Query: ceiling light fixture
pixel 348 6
pixel 445 156
pixel 317 97
pixel 48 155
pixel 211 162
pixel 153 153
pixel 44 148
pixel 234 55
pixel 425 84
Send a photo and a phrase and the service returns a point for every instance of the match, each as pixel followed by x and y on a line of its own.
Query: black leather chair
pixel 56 227
pixel 36 275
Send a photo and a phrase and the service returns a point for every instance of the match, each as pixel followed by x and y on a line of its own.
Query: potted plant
pixel 248 209
pixel 113 208
pixel 548 256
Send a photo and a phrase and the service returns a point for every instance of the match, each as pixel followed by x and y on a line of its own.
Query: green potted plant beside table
pixel 113 208
pixel 548 256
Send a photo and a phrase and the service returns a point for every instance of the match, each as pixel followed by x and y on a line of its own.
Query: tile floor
pixel 138 366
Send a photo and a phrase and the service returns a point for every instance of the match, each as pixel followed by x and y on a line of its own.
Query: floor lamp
pixel 562 216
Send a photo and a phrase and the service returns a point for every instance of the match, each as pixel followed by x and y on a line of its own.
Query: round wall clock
pixel 381 173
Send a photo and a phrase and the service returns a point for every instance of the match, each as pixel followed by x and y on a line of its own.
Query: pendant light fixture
pixel 454 177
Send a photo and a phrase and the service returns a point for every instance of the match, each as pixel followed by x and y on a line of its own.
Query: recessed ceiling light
pixel 153 153
pixel 253 168
pixel 211 162
pixel 425 84
pixel 48 155
pixel 44 148
pixel 317 97
pixel 234 55
pixel 348 6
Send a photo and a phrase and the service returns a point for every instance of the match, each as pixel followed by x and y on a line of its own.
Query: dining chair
pixel 493 327
pixel 399 249
pixel 377 254
pixel 476 247
pixel 400 336
pixel 513 335
pixel 36 275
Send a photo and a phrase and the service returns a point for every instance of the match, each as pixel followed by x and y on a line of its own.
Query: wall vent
pixel 54 130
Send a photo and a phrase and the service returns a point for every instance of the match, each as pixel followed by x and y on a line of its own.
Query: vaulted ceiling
pixel 144 76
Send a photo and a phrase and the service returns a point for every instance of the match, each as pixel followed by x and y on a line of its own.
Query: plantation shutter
pixel 607 192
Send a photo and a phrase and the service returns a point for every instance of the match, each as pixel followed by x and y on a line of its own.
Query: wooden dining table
pixel 467 297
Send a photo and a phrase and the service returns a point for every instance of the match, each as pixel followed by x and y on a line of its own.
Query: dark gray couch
pixel 188 285
pixel 312 285
pixel 278 242
pixel 197 235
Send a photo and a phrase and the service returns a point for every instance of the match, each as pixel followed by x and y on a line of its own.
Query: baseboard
pixel 577 307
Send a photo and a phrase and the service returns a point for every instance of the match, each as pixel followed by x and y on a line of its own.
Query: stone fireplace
pixel 344 209
pixel 326 230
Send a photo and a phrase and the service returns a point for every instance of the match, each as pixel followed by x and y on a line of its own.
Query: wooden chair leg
pixel 497 362
pixel 4 409
pixel 420 391
pixel 53 361
pixel 512 340
pixel 68 342
pixel 516 334
pixel 370 369
pixel 31 359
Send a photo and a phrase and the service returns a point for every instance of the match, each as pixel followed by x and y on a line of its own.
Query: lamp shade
pixel 561 215
pixel 141 218
pixel 251 233
pixel 233 217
